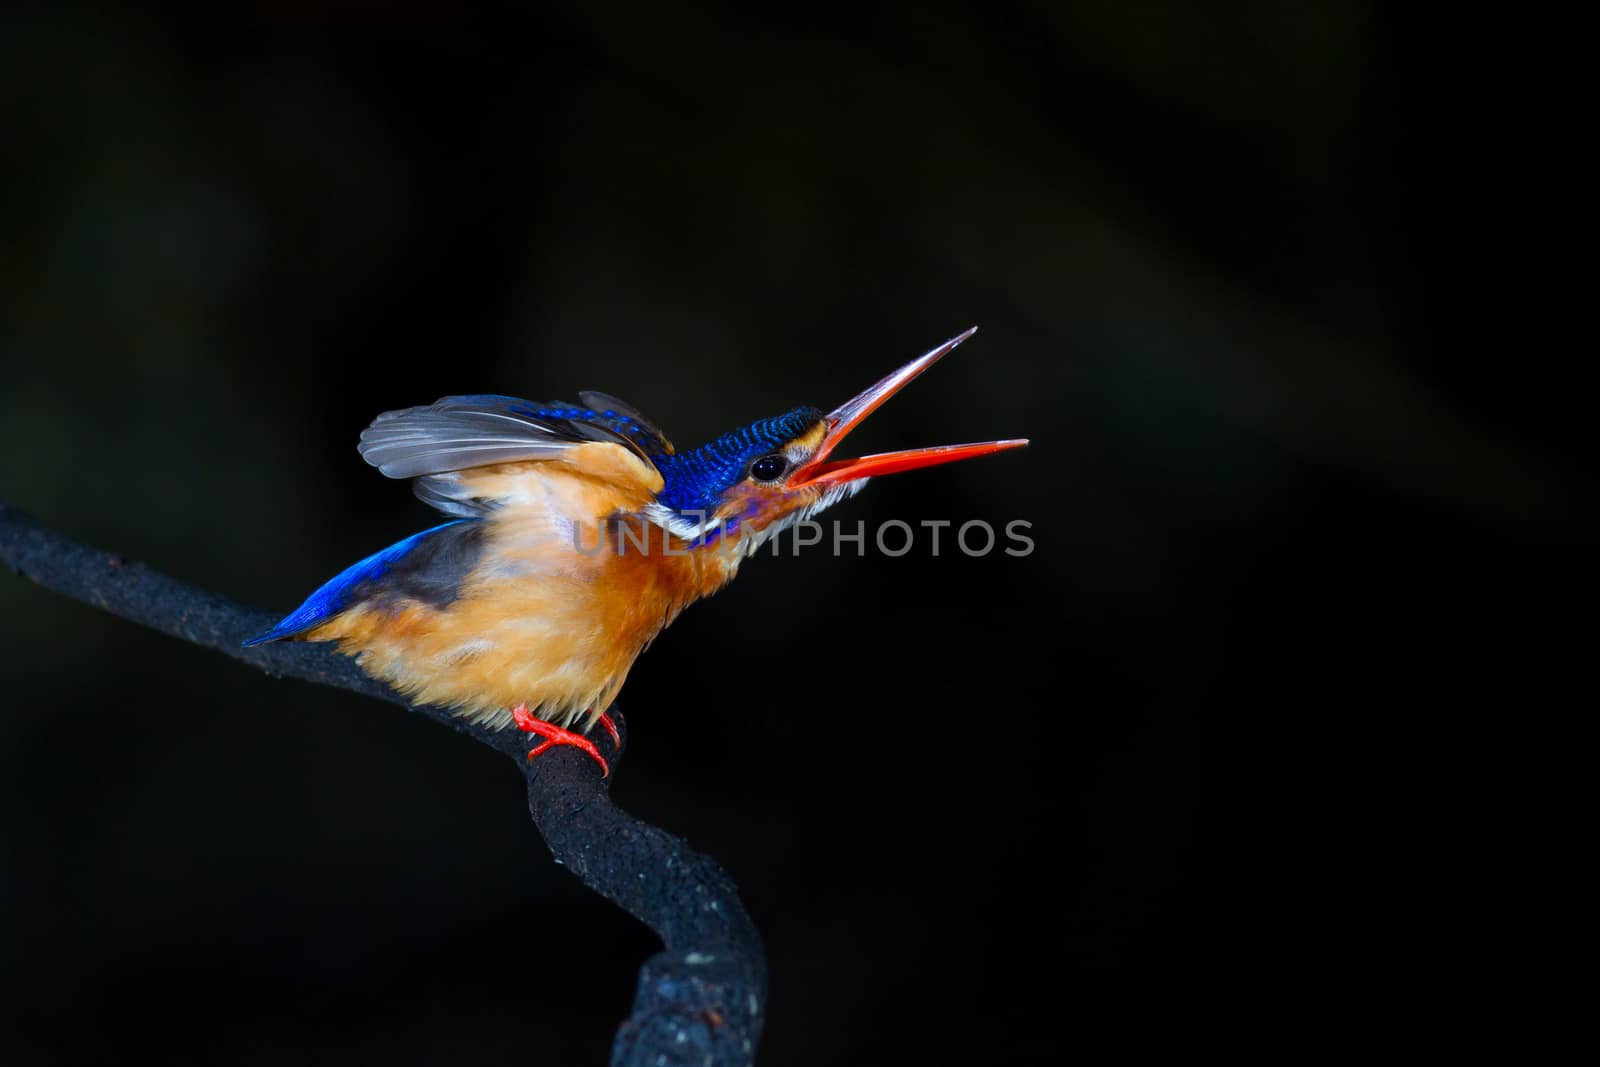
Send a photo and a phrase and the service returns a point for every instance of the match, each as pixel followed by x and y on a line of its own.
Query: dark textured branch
pixel 700 1001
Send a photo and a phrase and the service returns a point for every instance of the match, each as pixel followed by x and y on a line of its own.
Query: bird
pixel 577 533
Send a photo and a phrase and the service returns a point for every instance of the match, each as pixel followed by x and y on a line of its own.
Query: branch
pixel 699 1001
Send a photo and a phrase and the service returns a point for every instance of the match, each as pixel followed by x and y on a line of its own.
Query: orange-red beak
pixel 819 470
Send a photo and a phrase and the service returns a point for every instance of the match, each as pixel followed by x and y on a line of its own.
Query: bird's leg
pixel 554 735
pixel 611 728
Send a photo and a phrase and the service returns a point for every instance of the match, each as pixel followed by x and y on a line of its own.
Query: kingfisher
pixel 577 533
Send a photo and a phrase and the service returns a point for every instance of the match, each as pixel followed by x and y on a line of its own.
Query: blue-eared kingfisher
pixel 577 534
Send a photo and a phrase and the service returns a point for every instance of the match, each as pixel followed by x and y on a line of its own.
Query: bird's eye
pixel 768 468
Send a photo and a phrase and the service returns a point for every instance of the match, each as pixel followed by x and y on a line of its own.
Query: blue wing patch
pixel 449 562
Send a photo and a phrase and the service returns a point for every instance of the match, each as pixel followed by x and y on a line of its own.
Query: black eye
pixel 768 468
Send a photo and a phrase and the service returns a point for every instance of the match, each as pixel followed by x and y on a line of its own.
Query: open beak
pixel 820 470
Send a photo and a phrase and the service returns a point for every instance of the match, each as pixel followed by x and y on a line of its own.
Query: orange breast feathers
pixel 557 606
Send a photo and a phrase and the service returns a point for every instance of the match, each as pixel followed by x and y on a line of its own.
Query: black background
pixel 1159 782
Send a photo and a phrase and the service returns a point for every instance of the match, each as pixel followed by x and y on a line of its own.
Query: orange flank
pixel 543 620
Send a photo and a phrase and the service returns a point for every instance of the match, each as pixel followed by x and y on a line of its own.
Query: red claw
pixel 555 735
pixel 611 728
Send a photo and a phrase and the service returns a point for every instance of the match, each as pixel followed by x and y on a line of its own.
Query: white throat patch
pixel 694 525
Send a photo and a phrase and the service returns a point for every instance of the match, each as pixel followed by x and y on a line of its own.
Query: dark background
pixel 1161 782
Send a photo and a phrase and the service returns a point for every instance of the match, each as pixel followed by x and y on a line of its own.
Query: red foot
pixel 555 735
pixel 611 728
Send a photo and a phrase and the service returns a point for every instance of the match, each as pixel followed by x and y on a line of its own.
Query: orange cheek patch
pixel 754 507
pixel 812 438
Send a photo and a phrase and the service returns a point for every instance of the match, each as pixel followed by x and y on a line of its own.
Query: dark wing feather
pixel 458 433
pixel 625 419
pixel 428 566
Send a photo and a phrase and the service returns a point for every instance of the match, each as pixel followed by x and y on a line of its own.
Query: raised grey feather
pixel 446 493
pixel 450 436
pixel 456 433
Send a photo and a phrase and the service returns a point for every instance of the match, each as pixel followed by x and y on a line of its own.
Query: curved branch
pixel 699 1001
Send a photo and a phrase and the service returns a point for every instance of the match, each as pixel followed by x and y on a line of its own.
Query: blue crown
pixel 697 479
